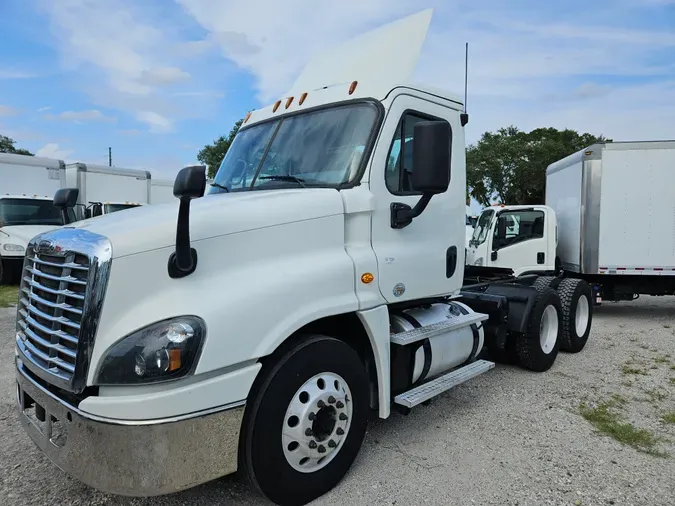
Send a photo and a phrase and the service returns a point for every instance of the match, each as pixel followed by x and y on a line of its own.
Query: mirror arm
pixel 183 261
pixel 402 214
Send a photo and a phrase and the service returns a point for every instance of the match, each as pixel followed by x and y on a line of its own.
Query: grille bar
pixel 68 293
pixel 53 305
pixel 66 279
pixel 61 319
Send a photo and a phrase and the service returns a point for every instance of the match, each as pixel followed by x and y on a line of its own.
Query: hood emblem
pixel 45 247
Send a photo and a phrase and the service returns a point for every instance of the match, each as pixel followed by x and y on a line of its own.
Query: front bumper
pixel 132 458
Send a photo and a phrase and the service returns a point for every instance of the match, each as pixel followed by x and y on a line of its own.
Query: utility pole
pixel 109 157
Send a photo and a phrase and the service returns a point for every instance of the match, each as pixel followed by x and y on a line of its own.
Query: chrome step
pixel 437 386
pixel 435 329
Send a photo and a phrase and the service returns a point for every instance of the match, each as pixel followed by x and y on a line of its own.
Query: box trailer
pixel 161 190
pixel 103 190
pixel 27 187
pixel 609 219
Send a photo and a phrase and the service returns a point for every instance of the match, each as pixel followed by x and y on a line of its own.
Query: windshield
pixel 111 208
pixel 480 233
pixel 318 148
pixel 28 212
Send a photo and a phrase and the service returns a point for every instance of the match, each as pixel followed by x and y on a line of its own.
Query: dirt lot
pixel 597 429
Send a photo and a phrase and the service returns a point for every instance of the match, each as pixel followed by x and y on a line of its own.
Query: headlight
pixel 13 247
pixel 162 351
pixel 479 262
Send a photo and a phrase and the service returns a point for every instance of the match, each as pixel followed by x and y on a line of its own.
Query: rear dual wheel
pixel 537 348
pixel 306 421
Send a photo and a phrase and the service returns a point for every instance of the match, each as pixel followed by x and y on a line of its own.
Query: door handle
pixel 493 256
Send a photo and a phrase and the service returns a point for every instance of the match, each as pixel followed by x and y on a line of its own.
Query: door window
pixel 514 227
pixel 398 173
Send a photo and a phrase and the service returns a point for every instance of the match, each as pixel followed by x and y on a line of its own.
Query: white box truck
pixel 27 187
pixel 609 219
pixel 104 190
pixel 260 327
pixel 161 190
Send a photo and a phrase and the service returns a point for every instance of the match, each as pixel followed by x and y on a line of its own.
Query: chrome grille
pixel 59 303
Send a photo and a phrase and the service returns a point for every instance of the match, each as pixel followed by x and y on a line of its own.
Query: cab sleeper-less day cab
pixel 257 328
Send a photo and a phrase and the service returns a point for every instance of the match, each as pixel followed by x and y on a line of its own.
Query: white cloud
pixel 156 122
pixel 8 110
pixel 44 109
pixel 53 150
pixel 128 55
pixel 16 74
pixel 82 116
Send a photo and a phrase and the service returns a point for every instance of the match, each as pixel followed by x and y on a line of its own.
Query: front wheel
pixel 307 421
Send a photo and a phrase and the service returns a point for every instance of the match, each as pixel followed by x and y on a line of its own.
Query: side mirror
pixel 190 183
pixel 64 199
pixel 87 213
pixel 431 157
pixel 431 169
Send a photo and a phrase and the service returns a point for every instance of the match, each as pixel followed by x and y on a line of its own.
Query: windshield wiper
pixel 227 190
pixel 285 178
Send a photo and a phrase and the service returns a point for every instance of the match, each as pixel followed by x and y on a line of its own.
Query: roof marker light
pixel 352 87
pixel 276 106
pixel 289 101
pixel 302 98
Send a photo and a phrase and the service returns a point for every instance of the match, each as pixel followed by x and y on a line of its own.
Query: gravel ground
pixel 508 437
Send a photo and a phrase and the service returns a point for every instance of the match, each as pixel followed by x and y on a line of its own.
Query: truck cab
pixel 522 238
pixel 101 208
pixel 22 217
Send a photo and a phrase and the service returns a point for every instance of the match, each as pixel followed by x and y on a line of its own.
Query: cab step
pixel 435 329
pixel 437 386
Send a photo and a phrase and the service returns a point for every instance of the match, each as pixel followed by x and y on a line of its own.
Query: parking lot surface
pixel 596 429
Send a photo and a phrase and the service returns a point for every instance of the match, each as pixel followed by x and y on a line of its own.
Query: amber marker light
pixel 367 278
pixel 289 101
pixel 302 98
pixel 352 87
pixel 276 106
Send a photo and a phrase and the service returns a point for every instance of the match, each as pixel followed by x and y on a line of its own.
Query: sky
pixel 157 80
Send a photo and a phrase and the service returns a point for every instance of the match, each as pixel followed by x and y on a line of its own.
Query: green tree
pixel 7 146
pixel 511 165
pixel 212 154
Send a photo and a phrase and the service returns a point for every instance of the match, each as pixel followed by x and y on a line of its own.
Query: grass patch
pixel 672 367
pixel 607 421
pixel 9 295
pixel 656 395
pixel 672 380
pixel 669 418
pixel 662 359
pixel 629 369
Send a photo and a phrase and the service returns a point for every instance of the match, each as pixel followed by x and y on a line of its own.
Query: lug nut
pixel 332 444
pixel 340 431
pixel 331 400
pixel 308 432
pixel 321 404
pixel 343 417
pixel 312 444
pixel 322 449
pixel 312 417
pixel 340 405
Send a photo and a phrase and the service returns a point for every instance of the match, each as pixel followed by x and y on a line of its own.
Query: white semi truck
pixel 258 327
pixel 27 188
pixel 609 219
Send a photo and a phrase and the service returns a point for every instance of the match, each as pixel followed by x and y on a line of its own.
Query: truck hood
pixel 154 226
pixel 23 232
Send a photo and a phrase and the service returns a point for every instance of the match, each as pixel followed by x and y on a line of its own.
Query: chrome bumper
pixel 132 458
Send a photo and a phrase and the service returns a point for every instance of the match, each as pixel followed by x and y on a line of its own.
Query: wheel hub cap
pixel 317 422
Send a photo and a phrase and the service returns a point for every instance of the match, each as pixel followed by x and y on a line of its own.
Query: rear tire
pixel 6 274
pixel 538 347
pixel 306 421
pixel 576 297
pixel 543 282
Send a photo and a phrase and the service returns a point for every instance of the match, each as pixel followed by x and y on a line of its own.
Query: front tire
pixel 307 421
pixel 537 348
pixel 576 297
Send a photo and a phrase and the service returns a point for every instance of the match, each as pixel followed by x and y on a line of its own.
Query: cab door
pixel 423 258
pixel 519 241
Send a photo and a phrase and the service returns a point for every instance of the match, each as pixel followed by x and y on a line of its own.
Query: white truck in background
pixel 27 188
pixel 261 327
pixel 104 190
pixel 609 219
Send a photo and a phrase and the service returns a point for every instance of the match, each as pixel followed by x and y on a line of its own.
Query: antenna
pixel 464 117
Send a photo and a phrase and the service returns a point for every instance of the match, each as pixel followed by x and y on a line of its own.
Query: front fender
pixel 253 289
